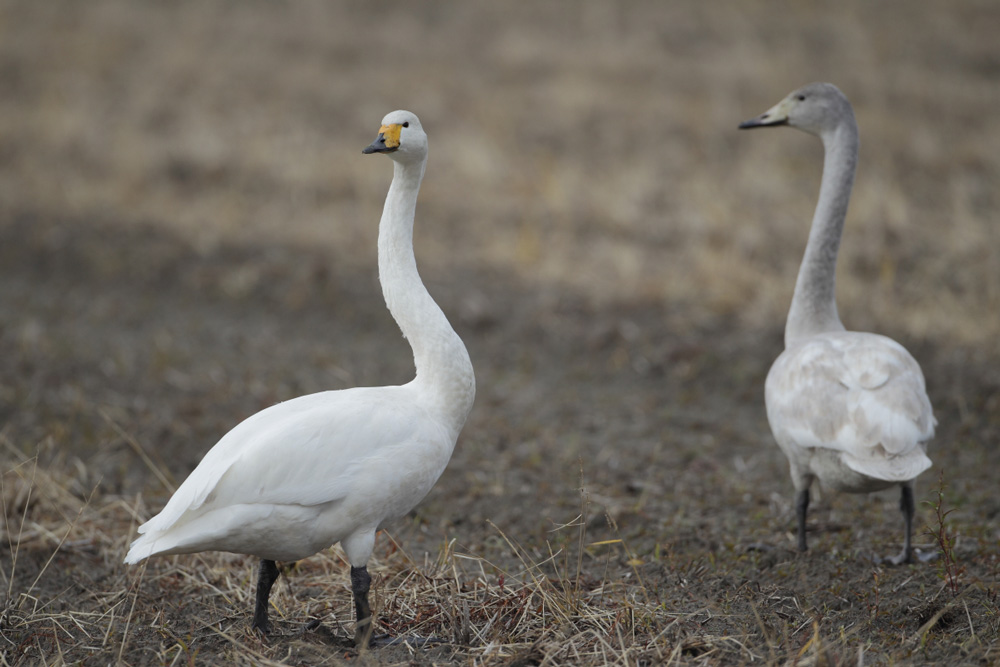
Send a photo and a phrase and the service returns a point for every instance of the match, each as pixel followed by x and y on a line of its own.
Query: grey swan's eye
pixel 407 123
pixel 800 97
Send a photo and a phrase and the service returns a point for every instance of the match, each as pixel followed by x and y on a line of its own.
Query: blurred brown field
pixel 589 145
pixel 187 235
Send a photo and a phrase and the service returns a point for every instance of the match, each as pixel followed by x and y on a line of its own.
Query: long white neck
pixel 444 371
pixel 814 306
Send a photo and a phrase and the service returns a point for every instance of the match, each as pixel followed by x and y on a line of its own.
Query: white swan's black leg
pixel 268 575
pixel 360 584
pixel 801 507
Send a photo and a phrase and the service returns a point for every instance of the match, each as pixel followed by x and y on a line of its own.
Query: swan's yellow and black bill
pixel 387 140
pixel 776 115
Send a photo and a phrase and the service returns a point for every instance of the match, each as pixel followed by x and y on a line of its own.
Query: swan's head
pixel 401 137
pixel 817 108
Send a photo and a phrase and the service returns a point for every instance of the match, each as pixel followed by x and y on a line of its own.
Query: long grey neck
pixel 814 306
pixel 442 362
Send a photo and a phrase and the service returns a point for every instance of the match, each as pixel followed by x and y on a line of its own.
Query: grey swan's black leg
pixel 908 507
pixel 268 575
pixel 360 584
pixel 801 507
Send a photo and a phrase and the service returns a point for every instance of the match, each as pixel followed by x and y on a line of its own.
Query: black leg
pixel 360 584
pixel 907 507
pixel 801 507
pixel 268 575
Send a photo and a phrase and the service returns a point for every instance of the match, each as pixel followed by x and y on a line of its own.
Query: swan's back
pixel 859 395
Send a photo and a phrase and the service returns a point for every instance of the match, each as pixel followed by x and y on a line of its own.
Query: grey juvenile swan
pixel 332 467
pixel 847 408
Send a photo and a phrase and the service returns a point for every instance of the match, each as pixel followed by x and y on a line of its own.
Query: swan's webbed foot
pixel 363 635
pixel 910 556
pixel 414 641
pixel 902 558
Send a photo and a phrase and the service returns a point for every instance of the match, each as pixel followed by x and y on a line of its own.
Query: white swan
pixel 847 408
pixel 331 467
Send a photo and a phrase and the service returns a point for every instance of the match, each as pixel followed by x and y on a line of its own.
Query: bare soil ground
pixel 187 235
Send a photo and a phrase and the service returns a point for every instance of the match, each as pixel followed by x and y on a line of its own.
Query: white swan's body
pixel 302 475
pixel 331 467
pixel 847 408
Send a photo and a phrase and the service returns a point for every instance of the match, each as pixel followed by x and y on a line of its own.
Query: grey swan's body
pixel 847 408
pixel 330 467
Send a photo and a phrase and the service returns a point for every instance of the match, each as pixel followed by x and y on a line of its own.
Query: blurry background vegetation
pixel 583 146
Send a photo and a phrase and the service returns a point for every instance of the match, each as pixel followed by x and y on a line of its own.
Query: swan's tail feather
pixel 890 469
pixel 141 549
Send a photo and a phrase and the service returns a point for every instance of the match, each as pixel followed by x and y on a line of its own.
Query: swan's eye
pixel 407 123
pixel 800 97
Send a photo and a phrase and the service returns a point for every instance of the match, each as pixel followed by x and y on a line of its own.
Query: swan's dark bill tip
pixel 758 122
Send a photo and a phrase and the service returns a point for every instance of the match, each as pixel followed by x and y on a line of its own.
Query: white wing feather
pixel 860 394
